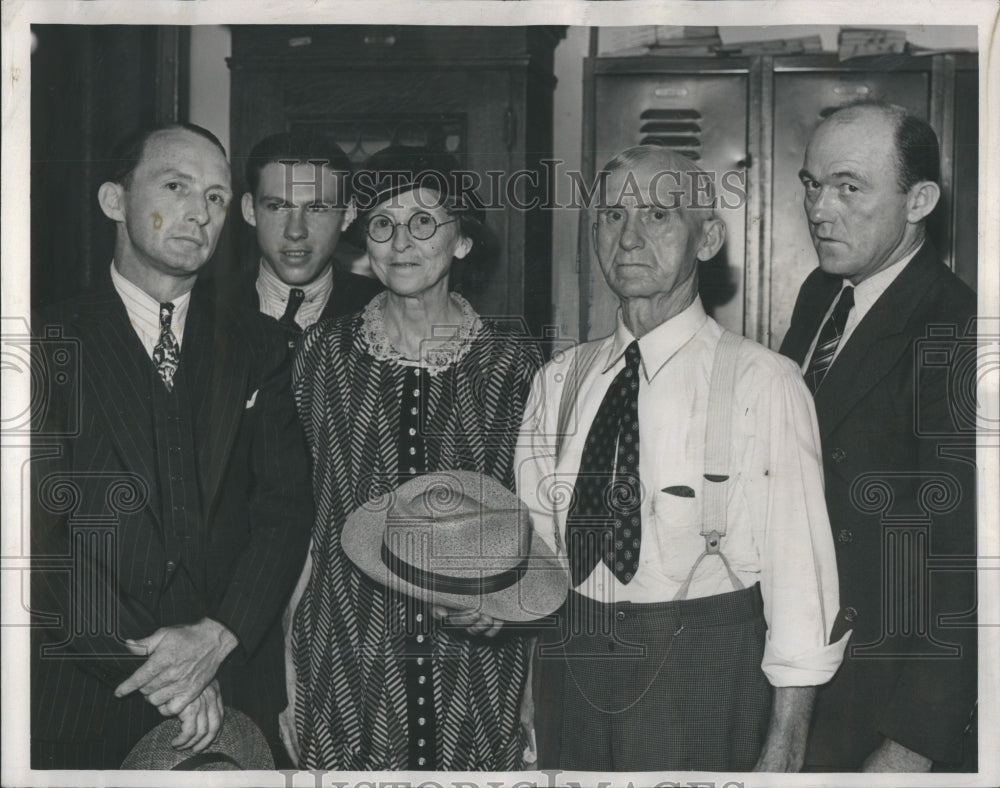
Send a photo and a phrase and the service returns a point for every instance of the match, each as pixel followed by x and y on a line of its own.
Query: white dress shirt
pixel 273 294
pixel 865 295
pixel 778 530
pixel 144 312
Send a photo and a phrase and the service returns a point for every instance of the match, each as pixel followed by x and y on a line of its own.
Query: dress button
pixel 421 701
pixel 421 742
pixel 413 450
pixel 421 721
pixel 412 469
pixel 421 679
pixel 420 660
pixel 421 761
pixel 413 411
pixel 620 615
pixel 838 455
pixel 420 617
pixel 845 536
pixel 412 431
pixel 416 392
pixel 420 638
pixel 850 614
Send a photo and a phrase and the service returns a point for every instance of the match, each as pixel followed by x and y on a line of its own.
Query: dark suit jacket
pixel 899 488
pixel 94 473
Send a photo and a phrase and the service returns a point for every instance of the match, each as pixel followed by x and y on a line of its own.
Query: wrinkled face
pixel 406 265
pixel 857 213
pixel 647 242
pixel 176 205
pixel 298 214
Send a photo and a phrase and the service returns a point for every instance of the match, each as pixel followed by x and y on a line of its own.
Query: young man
pixel 299 203
pixel 173 474
pixel 907 688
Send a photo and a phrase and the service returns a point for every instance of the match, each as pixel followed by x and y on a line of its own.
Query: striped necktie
pixel 166 353
pixel 829 338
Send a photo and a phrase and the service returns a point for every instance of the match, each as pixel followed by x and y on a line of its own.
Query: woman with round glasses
pixel 416 382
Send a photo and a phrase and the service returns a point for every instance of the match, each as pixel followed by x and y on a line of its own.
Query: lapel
pixel 120 373
pixel 218 362
pixel 876 344
pixel 818 292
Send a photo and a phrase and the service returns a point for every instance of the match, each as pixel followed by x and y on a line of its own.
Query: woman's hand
pixel 475 621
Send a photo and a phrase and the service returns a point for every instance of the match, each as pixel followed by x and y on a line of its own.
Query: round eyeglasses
pixel 421 226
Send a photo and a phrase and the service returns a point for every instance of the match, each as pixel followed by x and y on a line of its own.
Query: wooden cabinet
pixel 751 118
pixel 483 94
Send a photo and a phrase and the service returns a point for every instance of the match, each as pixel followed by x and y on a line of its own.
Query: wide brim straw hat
pixel 240 746
pixel 459 539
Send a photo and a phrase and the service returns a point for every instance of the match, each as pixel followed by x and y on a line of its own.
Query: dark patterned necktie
pixel 295 298
pixel 166 354
pixel 605 518
pixel 829 338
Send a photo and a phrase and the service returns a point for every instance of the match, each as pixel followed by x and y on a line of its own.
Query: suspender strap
pixel 718 434
pixel 579 365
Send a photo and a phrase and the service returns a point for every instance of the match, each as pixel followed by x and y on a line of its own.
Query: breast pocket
pixel 676 512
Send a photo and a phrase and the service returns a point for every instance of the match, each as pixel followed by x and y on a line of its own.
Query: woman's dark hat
pixel 240 747
pixel 398 169
pixel 459 539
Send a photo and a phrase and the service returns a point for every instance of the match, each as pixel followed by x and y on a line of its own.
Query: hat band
pixel 449 584
pixel 195 762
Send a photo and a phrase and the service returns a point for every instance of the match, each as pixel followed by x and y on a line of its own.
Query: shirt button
pixel 838 455
pixel 845 536
pixel 850 614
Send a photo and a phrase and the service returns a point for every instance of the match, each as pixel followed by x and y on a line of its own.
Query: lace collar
pixel 437 354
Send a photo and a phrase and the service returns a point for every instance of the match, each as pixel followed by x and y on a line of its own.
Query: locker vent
pixel 677 129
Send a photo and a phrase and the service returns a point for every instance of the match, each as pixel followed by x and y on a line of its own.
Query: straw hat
pixel 240 746
pixel 458 539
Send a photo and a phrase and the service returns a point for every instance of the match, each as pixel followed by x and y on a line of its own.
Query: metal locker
pixel 703 116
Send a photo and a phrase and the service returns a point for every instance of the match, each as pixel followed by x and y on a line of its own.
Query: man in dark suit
pixel 900 486
pixel 172 501
pixel 299 203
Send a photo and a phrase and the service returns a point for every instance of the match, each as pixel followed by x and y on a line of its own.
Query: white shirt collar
pixel 868 292
pixel 659 345
pixel 273 294
pixel 144 310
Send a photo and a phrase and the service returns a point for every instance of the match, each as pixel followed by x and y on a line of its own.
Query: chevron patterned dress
pixel 349 635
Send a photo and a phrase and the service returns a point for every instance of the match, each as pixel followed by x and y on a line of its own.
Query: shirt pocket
pixel 677 512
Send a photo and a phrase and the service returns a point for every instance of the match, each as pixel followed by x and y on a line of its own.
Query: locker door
pixel 801 101
pixel 703 116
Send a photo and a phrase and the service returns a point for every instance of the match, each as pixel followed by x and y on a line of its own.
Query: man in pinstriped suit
pixel 172 477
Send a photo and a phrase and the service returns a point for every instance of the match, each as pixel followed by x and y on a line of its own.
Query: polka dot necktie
pixel 829 338
pixel 166 353
pixel 604 521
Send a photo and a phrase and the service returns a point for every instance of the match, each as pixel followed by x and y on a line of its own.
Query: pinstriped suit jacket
pixel 101 479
